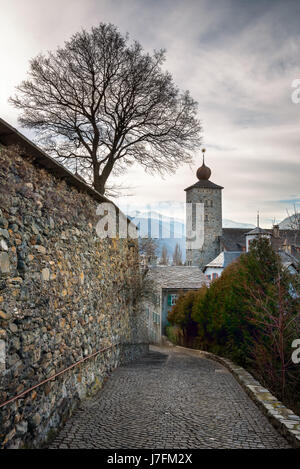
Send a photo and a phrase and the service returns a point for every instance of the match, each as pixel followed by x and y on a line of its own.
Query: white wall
pixel 213 270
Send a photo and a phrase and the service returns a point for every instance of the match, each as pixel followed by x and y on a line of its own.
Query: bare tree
pixel 148 247
pixel 294 219
pixel 275 330
pixel 101 103
pixel 177 255
pixel 294 224
pixel 164 260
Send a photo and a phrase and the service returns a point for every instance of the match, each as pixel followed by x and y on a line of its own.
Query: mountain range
pixel 169 231
pixel 289 223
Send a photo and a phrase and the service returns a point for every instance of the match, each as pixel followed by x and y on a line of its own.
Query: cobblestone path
pixel 169 398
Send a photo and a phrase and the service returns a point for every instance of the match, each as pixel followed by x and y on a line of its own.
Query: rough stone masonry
pixel 64 294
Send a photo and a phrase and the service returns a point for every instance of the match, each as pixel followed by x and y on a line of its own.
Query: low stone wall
pixel 64 294
pixel 282 418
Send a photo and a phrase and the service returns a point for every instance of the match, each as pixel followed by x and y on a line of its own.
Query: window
pixel 208 277
pixel 172 300
pixel 215 275
pixel 155 318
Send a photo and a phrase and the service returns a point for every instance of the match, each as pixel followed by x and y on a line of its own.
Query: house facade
pixel 168 282
pixel 214 269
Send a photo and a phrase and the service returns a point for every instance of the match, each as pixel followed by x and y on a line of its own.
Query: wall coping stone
pixel 10 136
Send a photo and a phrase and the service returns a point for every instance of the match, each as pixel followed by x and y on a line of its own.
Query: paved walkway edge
pixel 283 419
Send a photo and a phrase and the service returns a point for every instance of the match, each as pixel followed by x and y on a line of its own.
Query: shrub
pixel 250 316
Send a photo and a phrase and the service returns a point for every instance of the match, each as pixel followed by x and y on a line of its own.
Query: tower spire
pixel 257 218
pixel 203 172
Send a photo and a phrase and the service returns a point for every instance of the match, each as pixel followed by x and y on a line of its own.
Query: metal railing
pixel 22 394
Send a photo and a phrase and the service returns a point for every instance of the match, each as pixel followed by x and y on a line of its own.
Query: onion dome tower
pixel 204 218
pixel 203 173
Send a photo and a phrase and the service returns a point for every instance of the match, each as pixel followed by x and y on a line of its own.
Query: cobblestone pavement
pixel 169 398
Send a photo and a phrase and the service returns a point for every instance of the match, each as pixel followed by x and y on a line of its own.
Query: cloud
pixel 237 58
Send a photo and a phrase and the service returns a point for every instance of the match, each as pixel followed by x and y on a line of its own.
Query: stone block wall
pixel 212 200
pixel 64 294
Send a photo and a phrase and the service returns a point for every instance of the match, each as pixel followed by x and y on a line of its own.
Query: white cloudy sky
pixel 237 57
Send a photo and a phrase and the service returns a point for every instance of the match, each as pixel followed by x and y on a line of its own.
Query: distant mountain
pixel 170 231
pixel 289 222
pixel 153 215
pixel 235 224
pixel 170 244
pixel 165 230
pixel 159 227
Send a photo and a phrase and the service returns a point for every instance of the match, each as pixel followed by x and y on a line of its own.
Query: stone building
pixel 168 282
pixel 208 197
pixel 235 241
pixel 204 219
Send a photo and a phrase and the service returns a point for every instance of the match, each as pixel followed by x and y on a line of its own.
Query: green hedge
pixel 248 315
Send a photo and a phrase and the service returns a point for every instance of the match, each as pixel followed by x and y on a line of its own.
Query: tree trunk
pixel 99 185
pixel 100 179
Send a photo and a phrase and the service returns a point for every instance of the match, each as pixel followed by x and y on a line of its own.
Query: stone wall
pixel 64 294
pixel 212 200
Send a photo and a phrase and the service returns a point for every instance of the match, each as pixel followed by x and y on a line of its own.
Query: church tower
pixel 205 214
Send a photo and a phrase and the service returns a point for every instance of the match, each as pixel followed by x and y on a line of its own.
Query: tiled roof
pixel 291 237
pixel 224 259
pixel 185 277
pixel 204 184
pixel 287 259
pixel 257 231
pixel 233 239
